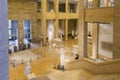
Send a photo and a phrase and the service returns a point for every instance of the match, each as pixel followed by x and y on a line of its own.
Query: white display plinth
pixel 31 76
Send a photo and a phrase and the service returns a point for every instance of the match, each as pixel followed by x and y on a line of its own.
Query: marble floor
pixel 78 74
pixel 39 66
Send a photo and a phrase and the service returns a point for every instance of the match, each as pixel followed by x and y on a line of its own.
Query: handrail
pixel 112 66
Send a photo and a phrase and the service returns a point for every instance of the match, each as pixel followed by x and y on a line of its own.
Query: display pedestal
pixel 31 76
pixel 59 67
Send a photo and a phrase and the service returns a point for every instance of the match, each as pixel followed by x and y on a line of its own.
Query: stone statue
pixel 50 34
pixel 72 33
pixel 27 69
pixel 62 56
pixel 61 35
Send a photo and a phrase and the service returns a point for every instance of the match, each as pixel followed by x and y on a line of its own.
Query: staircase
pixel 108 67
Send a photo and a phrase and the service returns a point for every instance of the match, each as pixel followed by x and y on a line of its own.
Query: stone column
pixel 4 40
pixel 38 28
pixel 34 31
pixel 116 30
pixel 95 30
pixel 82 29
pixel 47 6
pixel 66 29
pixel 66 22
pixel 20 31
pixel 56 33
pixel 66 7
pixel 106 3
pixel 43 21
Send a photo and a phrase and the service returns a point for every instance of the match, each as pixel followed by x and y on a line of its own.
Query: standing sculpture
pixel 62 57
pixel 27 69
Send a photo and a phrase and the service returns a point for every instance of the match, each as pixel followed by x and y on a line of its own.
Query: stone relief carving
pixel 107 45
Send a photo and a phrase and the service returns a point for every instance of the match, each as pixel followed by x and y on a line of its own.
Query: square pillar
pixel 43 20
pixel 95 30
pixel 66 22
pixel 66 7
pixel 66 29
pixel 56 34
pixel 34 31
pixel 116 30
pixel 20 31
pixel 82 29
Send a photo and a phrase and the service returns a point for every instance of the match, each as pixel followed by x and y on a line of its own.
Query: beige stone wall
pixel 21 9
pixel 22 5
pixel 100 15
pixel 116 33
